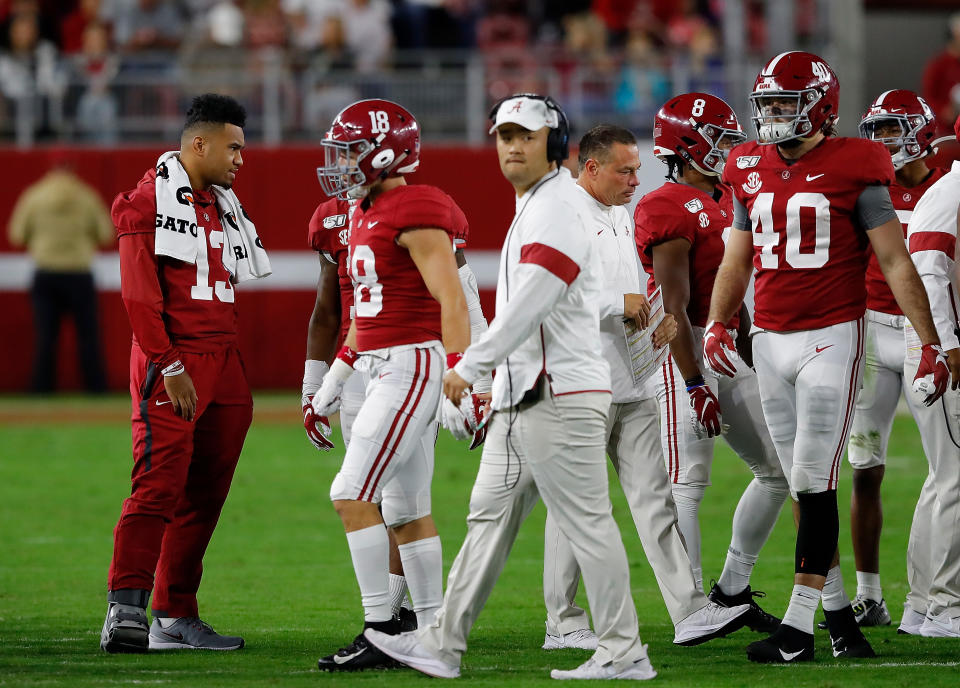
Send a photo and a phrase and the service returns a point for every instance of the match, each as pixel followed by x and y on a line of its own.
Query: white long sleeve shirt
pixel 932 240
pixel 612 229
pixel 548 290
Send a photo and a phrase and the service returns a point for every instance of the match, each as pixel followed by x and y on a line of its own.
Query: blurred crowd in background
pixel 110 70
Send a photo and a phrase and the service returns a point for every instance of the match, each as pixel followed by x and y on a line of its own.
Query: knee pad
pixel 688 493
pixel 818 532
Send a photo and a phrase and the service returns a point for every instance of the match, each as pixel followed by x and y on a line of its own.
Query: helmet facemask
pixel 720 140
pixel 341 175
pixel 905 141
pixel 792 125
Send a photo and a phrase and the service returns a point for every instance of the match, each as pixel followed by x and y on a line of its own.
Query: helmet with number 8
pixel 910 114
pixel 368 141
pixel 803 79
pixel 699 128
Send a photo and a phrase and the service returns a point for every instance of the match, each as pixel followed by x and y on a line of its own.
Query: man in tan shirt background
pixel 62 221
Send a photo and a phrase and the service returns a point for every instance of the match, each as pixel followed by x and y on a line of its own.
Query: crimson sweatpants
pixel 181 475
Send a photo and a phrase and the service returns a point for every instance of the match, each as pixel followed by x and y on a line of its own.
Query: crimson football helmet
pixel 698 127
pixel 911 115
pixel 803 79
pixel 368 141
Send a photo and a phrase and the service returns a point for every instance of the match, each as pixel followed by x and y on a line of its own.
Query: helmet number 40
pixel 379 121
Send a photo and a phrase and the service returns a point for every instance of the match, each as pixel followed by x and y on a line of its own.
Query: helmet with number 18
pixel 699 128
pixel 367 142
pixel 902 121
pixel 795 96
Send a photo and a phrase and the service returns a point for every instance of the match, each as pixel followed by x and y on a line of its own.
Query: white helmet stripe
pixel 883 95
pixel 774 61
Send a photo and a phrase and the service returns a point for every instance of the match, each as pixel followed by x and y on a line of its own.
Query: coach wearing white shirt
pixel 932 608
pixel 551 395
pixel 608 162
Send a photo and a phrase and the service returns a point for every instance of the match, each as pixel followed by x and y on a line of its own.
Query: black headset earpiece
pixel 558 138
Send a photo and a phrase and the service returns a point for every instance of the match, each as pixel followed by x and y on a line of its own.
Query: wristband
pixel 174 368
pixel 453 359
pixel 695 381
pixel 347 355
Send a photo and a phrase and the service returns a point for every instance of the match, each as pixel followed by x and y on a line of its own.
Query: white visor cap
pixel 529 113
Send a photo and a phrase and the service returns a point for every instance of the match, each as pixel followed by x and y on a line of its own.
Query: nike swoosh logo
pixel 178 636
pixel 371 224
pixel 811 177
pixel 821 349
pixel 789 656
pixel 338 659
pixel 161 403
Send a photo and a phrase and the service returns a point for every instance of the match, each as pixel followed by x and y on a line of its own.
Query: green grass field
pixel 278 570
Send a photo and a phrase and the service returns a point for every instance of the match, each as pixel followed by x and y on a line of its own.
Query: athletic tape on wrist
pixel 174 368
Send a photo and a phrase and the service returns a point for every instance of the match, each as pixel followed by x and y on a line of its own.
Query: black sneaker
pixel 360 654
pixel 407 619
pixel 867 612
pixel 125 629
pixel 786 646
pixel 756 619
pixel 845 635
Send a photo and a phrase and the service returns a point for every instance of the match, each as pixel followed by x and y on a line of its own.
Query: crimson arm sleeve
pixel 143 299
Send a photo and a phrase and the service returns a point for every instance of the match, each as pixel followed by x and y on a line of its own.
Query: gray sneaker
pixel 190 633
pixel 125 629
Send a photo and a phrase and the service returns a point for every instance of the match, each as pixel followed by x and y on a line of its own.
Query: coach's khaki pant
pixel 553 449
pixel 933 552
pixel 633 443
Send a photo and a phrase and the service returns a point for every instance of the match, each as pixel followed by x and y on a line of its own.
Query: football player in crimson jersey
pixel 191 401
pixel 806 203
pixel 407 300
pixel 903 122
pixel 679 234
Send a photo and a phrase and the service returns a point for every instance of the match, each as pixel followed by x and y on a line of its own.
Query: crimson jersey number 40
pixel 767 238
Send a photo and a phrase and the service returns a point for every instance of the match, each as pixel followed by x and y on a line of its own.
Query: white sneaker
pixel 709 622
pixel 940 626
pixel 911 622
pixel 641 670
pixel 406 649
pixel 580 639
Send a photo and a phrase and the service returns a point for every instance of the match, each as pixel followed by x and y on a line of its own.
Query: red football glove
pixel 932 374
pixel 704 410
pixel 318 428
pixel 719 351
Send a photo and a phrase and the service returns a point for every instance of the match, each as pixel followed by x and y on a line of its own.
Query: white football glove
pixel 327 399
pixel 461 421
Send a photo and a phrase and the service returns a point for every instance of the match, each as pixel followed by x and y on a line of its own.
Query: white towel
pixel 179 237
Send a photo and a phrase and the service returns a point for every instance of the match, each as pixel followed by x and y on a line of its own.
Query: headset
pixel 558 138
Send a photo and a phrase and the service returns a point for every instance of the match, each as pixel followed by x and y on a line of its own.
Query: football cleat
pixel 870 612
pixel 407 618
pixel 361 654
pixel 757 619
pixel 190 633
pixel 581 639
pixel 845 635
pixel 786 646
pixel 125 629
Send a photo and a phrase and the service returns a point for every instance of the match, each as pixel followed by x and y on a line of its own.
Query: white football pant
pixel 933 552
